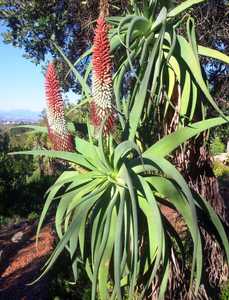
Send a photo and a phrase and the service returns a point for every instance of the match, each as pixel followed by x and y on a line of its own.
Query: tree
pixel 23 180
pixel 32 25
pixel 13 173
pixel 212 27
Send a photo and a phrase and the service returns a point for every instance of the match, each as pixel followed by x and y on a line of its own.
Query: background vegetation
pixel 21 185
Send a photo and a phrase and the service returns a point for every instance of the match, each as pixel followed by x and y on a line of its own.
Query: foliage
pixel 225 292
pixel 32 216
pixel 115 197
pixel 212 27
pixel 217 146
pixel 20 190
pixel 134 192
pixel 13 173
pixel 61 286
pixel 3 220
pixel 31 27
pixel 220 169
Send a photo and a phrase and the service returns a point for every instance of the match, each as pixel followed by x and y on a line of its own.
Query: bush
pixel 21 185
pixel 220 169
pixel 225 292
pixel 217 146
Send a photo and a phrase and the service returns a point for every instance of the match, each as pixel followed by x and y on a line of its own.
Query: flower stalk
pixel 58 133
pixel 101 107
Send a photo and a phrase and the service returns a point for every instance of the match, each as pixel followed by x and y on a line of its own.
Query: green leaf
pixel 101 150
pixel 73 229
pixel 183 7
pixel 71 127
pixel 170 142
pixel 172 173
pixel 86 192
pixel 60 213
pixel 65 176
pixel 118 82
pixel 85 54
pixel 158 70
pixel 122 149
pixel 157 236
pixel 160 19
pixel 173 63
pixel 205 51
pixel 194 100
pixel 168 190
pixel 137 23
pixel 76 179
pixel 84 86
pixel 164 282
pixel 216 222
pixel 103 275
pixel 86 148
pixel 185 96
pixel 118 246
pixel 102 247
pixel 188 55
pixel 152 226
pixel 68 156
pixel 134 265
pixel 191 32
pixel 136 111
pixel 96 195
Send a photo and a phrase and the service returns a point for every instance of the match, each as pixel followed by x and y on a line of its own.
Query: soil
pixel 21 261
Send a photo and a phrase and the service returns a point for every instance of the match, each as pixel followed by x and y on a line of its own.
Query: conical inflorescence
pixel 101 107
pixel 58 133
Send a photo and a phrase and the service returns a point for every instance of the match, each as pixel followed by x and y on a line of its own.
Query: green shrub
pixel 217 146
pixel 225 292
pixel 3 220
pixel 220 169
pixel 33 216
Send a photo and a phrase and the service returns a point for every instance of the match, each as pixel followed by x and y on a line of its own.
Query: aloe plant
pixel 109 214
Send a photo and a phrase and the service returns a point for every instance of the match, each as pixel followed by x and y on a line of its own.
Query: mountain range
pixel 19 115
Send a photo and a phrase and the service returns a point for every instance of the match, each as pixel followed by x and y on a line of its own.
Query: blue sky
pixel 21 81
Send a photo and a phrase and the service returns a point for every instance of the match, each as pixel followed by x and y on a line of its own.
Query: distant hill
pixel 19 115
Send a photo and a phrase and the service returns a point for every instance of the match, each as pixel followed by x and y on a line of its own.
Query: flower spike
pixel 58 133
pixel 101 107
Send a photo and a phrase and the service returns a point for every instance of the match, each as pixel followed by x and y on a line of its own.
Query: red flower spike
pixel 58 133
pixel 101 106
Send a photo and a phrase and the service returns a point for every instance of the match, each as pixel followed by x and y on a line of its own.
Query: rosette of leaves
pixel 109 217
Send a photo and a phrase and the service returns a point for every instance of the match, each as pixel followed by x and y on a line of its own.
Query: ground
pixel 21 261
